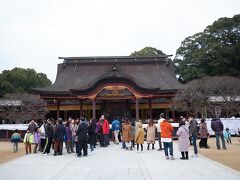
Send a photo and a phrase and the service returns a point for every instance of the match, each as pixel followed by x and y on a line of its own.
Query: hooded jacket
pixel 166 129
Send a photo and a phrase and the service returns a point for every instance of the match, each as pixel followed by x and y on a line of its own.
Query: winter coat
pixel 28 138
pixel 217 125
pixel 68 136
pixel 139 136
pixel 227 135
pixel 116 125
pixel 32 127
pixel 37 138
pixel 15 137
pixel 91 133
pixel 105 127
pixel 48 130
pixel 183 138
pixel 151 133
pixel 59 132
pixel 126 132
pixel 166 129
pixel 193 129
pixel 42 131
pixel 82 131
pixel 203 131
pixel 158 126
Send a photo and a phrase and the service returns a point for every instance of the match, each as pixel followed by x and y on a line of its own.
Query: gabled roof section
pixel 146 74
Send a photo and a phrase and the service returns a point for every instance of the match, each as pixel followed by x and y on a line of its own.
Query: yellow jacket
pixel 28 138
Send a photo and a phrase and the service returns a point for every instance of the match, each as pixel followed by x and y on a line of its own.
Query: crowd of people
pixel 81 136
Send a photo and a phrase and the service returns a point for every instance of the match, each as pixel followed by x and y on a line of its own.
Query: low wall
pixel 6 130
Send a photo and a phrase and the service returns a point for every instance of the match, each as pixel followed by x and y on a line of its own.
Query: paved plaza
pixel 113 163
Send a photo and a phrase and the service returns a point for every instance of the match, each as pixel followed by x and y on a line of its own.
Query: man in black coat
pixel 49 136
pixel 58 137
pixel 82 134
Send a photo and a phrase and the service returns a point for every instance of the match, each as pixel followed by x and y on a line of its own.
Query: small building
pixel 137 87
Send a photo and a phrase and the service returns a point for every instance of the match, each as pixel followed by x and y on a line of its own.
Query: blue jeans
pixel 168 145
pixel 220 135
pixel 194 142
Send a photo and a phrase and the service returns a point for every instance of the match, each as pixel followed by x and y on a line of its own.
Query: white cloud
pixel 34 33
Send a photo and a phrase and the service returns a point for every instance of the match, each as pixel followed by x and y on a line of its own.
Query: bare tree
pixel 210 96
pixel 21 107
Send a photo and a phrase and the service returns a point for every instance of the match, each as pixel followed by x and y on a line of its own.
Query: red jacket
pixel 105 127
pixel 166 129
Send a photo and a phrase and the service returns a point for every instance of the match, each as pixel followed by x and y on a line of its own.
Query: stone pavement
pixel 113 163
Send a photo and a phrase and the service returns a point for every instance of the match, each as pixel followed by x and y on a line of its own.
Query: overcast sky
pixel 33 34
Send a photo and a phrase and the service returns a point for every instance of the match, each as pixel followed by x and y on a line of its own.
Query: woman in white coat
pixel 183 140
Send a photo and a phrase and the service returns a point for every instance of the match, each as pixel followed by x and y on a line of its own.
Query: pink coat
pixel 183 138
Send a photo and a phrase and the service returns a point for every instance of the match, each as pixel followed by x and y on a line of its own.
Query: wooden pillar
pixel 58 108
pixel 6 134
pixel 127 109
pixel 173 115
pixel 94 108
pixel 81 108
pixel 137 109
pixel 65 116
pixel 150 108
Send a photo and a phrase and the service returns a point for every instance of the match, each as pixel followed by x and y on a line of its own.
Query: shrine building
pixel 136 87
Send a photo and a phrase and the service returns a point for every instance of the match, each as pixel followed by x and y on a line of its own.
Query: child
pixel 28 140
pixel 139 136
pixel 15 139
pixel 37 139
pixel 227 135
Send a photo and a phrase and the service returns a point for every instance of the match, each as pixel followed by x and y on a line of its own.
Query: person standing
pixel 15 139
pixel 217 127
pixel 133 131
pixel 42 136
pixel 49 136
pixel 32 126
pixel 75 136
pixel 82 134
pixel 58 137
pixel 166 137
pixel 37 139
pixel 68 137
pixel 183 140
pixel 126 133
pixel 203 132
pixel 151 133
pixel 72 126
pixel 193 130
pixel 105 131
pixel 91 133
pixel 139 136
pixel 28 141
pixel 227 136
pixel 115 129
pixel 159 131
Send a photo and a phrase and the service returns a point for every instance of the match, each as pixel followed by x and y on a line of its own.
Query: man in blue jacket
pixel 115 129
